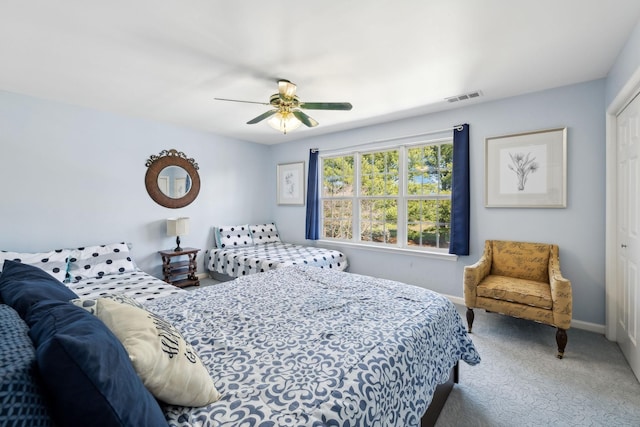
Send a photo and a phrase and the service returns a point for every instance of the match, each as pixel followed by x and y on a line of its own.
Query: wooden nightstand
pixel 180 273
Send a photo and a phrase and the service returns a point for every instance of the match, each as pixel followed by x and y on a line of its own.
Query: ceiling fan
pixel 286 114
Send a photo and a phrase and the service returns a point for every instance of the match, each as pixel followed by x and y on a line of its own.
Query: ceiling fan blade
pixel 305 119
pixel 246 102
pixel 262 116
pixel 326 105
pixel 286 89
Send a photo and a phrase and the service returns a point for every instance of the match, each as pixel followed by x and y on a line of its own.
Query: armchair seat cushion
pixel 521 291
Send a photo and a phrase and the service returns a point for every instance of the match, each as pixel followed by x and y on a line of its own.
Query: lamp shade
pixel 284 121
pixel 178 226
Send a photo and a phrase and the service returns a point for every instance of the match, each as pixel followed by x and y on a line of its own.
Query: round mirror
pixel 174 182
pixel 172 179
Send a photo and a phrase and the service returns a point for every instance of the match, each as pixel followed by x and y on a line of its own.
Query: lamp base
pixel 178 248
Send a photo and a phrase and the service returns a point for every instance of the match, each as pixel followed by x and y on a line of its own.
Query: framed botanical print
pixel 290 183
pixel 527 170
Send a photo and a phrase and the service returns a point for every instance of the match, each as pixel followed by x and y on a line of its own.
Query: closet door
pixel 628 230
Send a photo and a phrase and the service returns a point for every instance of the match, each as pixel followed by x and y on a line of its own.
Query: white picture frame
pixel 527 170
pixel 290 187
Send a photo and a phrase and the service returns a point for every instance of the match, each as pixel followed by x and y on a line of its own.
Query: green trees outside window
pixel 399 197
pixel 429 173
pixel 337 193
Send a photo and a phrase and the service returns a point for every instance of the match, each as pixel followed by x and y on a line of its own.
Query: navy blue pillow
pixel 22 285
pixel 86 371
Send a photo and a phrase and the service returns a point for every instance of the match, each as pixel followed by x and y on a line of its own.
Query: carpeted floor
pixel 519 381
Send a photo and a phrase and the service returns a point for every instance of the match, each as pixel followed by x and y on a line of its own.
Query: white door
pixel 628 244
pixel 180 187
pixel 163 184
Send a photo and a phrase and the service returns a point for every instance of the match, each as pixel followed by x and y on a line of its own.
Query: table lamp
pixel 177 227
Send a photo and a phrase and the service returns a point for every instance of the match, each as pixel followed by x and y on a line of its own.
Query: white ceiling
pixel 167 60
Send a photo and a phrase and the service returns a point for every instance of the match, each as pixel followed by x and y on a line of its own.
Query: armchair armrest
pixel 474 274
pixel 561 293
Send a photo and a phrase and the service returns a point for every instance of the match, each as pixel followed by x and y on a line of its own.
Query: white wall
pixel 74 177
pixel 578 229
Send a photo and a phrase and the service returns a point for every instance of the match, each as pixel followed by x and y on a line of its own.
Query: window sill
pixel 398 251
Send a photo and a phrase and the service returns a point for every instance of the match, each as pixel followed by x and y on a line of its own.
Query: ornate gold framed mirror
pixel 172 179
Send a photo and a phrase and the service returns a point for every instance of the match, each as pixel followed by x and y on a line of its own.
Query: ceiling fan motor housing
pixel 286 108
pixel 278 102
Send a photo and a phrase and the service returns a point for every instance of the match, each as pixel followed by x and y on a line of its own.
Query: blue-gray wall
pixel 74 177
pixel 578 229
pixel 626 65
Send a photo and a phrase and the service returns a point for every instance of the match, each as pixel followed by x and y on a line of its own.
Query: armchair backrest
pixel 522 260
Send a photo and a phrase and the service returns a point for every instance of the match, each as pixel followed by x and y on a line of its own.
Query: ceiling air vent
pixel 464 96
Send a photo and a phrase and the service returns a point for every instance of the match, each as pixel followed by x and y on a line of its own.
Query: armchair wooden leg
pixel 470 317
pixel 561 339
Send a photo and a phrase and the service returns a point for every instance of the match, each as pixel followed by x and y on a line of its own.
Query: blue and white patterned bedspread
pixel 302 346
pixel 242 261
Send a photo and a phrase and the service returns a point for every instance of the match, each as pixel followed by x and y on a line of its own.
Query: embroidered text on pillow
pixel 171 339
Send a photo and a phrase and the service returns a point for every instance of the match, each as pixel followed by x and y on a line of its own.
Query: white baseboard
pixel 578 324
pixel 588 326
pixel 455 300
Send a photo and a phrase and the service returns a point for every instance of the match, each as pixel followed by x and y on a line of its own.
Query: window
pixel 337 194
pixel 398 197
pixel 428 195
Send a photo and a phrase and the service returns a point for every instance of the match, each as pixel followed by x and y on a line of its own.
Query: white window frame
pixel 402 199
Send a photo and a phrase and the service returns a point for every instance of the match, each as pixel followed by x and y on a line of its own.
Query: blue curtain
pixel 459 243
pixel 312 231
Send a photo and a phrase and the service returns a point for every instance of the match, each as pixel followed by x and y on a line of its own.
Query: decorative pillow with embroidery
pixel 96 261
pixel 53 262
pixel 233 236
pixel 264 233
pixel 166 363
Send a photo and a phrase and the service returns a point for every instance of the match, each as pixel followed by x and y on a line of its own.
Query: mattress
pixel 245 260
pixel 306 346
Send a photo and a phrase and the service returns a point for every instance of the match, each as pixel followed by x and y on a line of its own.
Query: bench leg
pixel 470 317
pixel 561 339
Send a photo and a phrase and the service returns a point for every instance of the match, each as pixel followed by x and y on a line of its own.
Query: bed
pixel 96 270
pixel 298 346
pixel 255 248
pixel 135 284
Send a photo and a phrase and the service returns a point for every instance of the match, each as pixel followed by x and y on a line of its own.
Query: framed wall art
pixel 291 183
pixel 526 170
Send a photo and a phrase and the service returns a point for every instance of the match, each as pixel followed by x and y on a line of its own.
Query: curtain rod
pixel 431 132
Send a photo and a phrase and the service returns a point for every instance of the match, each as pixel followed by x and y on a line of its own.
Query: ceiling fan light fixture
pixel 284 121
pixel 285 114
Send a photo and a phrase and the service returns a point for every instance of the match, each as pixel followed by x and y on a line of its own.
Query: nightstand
pixel 179 272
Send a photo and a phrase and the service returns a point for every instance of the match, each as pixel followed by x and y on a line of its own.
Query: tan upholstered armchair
pixel 522 280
